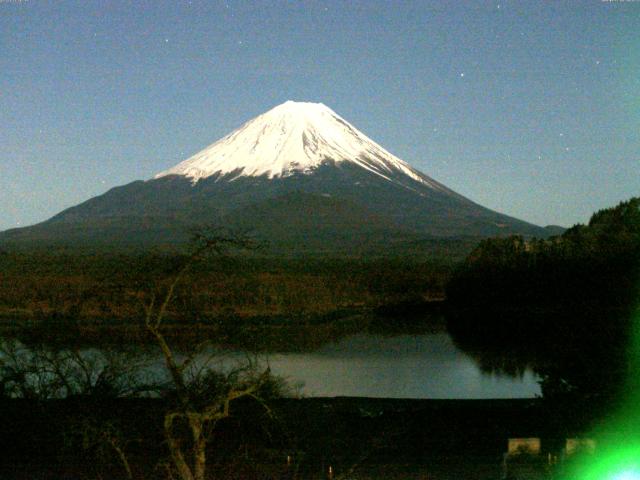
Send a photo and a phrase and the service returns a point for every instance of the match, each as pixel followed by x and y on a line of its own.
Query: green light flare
pixel 618 454
pixel 617 464
pixel 627 475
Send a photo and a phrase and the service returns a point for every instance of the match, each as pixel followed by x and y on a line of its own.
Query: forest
pixel 565 306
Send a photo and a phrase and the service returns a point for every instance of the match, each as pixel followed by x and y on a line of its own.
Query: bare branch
pixel 115 444
pixel 200 421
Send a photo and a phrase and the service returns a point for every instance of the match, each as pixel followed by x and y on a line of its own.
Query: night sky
pixel 528 108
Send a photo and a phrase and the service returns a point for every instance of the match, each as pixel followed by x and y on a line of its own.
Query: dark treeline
pixel 564 305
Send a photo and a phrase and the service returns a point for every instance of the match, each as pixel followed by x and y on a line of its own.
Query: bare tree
pixel 201 397
pixel 200 404
pixel 36 372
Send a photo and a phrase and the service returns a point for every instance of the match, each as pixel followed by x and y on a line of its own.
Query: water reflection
pixel 405 366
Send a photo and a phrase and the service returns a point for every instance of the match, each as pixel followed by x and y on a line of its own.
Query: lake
pixel 426 365
pixel 404 366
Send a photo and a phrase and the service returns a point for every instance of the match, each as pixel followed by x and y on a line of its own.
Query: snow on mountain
pixel 294 137
pixel 298 176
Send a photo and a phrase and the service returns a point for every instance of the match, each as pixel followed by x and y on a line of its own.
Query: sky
pixel 530 108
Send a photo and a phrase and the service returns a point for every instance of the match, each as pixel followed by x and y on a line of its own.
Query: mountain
pixel 554 230
pixel 299 176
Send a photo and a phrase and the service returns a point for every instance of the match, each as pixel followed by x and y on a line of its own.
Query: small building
pixel 523 460
pixel 529 446
pixel 579 445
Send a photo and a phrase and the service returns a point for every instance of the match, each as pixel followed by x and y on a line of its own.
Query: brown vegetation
pixel 105 290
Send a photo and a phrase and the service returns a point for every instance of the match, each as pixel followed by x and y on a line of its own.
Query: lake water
pixel 405 366
pixel 364 365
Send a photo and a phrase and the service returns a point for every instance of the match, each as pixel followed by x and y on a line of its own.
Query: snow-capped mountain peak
pixel 298 176
pixel 294 137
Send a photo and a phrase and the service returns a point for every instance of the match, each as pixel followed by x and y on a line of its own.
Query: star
pixel 462 74
pixel 166 40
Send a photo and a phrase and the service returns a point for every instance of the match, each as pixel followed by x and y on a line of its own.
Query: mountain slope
pixel 299 176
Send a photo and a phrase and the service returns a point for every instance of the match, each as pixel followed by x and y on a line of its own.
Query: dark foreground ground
pixel 339 438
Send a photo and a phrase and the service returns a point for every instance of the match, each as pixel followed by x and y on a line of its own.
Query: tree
pixel 200 402
pixel 84 379
pixel 37 372
pixel 564 305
